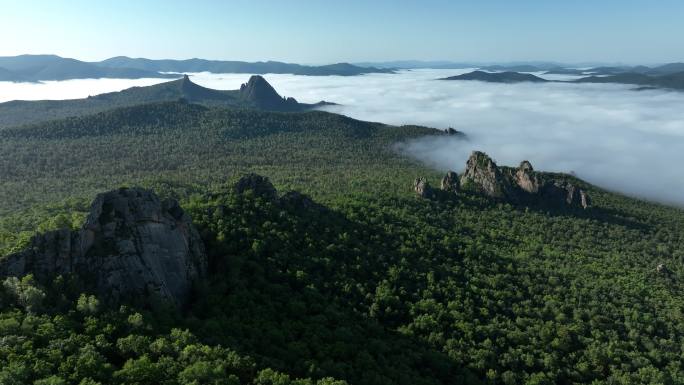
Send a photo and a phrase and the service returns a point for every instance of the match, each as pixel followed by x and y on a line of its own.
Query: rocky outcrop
pixel 259 185
pixel 482 175
pixel 450 182
pixel 132 245
pixel 422 188
pixel 517 185
pixel 526 179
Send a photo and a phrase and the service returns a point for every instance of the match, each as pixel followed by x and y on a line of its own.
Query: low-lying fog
pixel 625 140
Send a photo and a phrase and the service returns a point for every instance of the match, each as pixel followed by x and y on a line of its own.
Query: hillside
pixel 331 271
pixel 256 93
pixel 373 286
pixel 497 77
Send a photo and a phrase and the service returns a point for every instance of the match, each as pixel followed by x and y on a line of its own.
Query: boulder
pixel 132 245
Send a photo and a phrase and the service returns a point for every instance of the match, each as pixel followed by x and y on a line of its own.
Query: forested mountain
pixel 50 67
pixel 256 93
pixel 222 66
pixel 497 77
pixel 341 276
pixel 33 68
pixel 671 81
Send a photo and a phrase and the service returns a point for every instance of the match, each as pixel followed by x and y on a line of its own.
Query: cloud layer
pixel 612 136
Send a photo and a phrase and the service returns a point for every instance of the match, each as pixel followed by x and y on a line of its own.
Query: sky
pixel 319 32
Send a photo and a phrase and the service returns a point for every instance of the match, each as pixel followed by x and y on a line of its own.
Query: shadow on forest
pixel 295 303
pixel 601 214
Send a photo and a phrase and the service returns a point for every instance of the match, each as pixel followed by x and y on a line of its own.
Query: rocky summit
pixel 260 93
pixel 131 245
pixel 515 185
pixel 520 185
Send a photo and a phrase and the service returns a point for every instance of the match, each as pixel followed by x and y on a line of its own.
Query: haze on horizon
pixel 313 32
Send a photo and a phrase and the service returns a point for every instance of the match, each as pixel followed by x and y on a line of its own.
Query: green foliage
pixel 373 287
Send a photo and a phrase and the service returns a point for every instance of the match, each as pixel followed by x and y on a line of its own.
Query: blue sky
pixel 317 31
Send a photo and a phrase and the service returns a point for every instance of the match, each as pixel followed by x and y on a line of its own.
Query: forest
pixel 371 285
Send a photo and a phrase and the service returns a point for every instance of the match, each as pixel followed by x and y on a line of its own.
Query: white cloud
pixel 629 141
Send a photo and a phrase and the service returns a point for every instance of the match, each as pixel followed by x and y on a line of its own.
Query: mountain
pixel 512 68
pixel 33 68
pixel 50 67
pixel 565 71
pixel 497 77
pixel 9 76
pixel 218 66
pixel 416 64
pixel 670 81
pixel 666 69
pixel 257 93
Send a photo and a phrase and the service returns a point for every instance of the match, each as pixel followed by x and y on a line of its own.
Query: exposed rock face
pixel 260 185
pixel 521 184
pixel 450 182
pixel 422 188
pixel 526 179
pixel 132 245
pixel 483 175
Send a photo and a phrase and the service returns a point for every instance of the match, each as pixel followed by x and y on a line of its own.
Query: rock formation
pixel 515 185
pixel 260 93
pixel 132 245
pixel 482 175
pixel 450 182
pixel 526 179
pixel 422 188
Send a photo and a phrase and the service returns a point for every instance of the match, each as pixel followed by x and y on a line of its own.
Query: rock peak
pixel 515 185
pixel 259 92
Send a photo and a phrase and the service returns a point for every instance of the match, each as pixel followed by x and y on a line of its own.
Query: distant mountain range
pixel 497 77
pixel 257 93
pixel 34 68
pixel 673 81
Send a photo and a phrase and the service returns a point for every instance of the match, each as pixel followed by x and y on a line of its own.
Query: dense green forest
pixel 371 285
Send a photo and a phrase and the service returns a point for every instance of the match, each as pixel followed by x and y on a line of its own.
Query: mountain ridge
pixel 497 77
pixel 36 68
pixel 257 94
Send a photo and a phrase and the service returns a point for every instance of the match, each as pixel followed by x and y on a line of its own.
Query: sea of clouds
pixel 624 140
